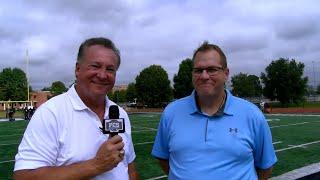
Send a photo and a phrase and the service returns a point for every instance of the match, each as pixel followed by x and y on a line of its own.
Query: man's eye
pixel 197 71
pixel 110 70
pixel 212 70
pixel 94 66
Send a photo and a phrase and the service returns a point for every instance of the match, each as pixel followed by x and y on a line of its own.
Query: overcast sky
pixel 162 32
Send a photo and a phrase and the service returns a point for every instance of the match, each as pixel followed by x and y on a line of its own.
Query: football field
pixel 296 139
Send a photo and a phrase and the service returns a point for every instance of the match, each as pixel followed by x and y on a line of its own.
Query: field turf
pixel 296 139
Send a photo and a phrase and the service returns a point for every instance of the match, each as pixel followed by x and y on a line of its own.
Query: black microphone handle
pixel 113 114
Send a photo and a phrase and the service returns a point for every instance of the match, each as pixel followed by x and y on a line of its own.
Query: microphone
pixel 113 125
pixel 113 112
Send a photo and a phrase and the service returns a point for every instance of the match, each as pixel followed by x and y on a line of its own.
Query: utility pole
pixel 314 83
pixel 28 90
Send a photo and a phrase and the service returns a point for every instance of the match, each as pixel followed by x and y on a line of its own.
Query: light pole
pixel 27 59
pixel 314 82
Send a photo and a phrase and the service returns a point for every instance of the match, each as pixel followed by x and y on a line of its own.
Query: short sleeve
pixel 131 155
pixel 264 154
pixel 160 146
pixel 39 145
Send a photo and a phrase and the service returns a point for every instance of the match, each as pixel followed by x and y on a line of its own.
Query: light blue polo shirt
pixel 227 146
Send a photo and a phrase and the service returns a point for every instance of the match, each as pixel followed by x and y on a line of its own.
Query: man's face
pixel 208 75
pixel 96 71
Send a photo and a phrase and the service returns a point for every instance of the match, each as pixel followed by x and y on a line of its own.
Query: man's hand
pixel 109 154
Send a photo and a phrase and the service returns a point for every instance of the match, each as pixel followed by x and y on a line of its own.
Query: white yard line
pixel 297 146
pixel 269 120
pixel 303 147
pixel 144 143
pixel 8 144
pixel 144 127
pixel 6 161
pixel 7 120
pixel 277 142
pixel 159 177
pixel 289 124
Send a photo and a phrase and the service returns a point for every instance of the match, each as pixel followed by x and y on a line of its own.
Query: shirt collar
pixel 228 103
pixel 76 101
pixel 224 109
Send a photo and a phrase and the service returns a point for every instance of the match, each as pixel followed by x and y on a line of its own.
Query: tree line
pixel 282 80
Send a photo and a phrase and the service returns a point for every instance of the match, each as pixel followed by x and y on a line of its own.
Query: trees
pixel 118 96
pixel 283 81
pixel 318 89
pixel 14 84
pixel 57 88
pixel 153 86
pixel 131 92
pixel 245 85
pixel 183 80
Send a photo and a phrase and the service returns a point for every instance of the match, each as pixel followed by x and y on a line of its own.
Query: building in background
pixel 36 99
pixel 120 87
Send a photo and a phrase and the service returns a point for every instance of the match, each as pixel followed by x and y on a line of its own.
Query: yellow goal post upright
pixel 4 105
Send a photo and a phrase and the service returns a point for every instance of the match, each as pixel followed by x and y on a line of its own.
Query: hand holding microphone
pixel 111 151
pixel 109 154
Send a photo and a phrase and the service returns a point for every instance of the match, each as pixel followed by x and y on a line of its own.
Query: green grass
pixel 291 132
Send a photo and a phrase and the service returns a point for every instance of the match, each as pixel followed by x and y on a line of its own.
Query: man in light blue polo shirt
pixel 212 134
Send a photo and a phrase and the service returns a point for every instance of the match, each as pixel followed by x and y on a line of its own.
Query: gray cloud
pixel 297 28
pixel 252 33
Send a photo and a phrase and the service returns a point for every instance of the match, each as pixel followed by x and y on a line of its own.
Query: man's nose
pixel 102 74
pixel 204 74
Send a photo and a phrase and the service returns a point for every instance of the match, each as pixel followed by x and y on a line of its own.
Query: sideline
pixel 299 173
pixel 294 124
pixel 311 115
pixel 7 120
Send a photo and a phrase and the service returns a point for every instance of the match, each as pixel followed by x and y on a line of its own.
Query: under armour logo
pixel 233 130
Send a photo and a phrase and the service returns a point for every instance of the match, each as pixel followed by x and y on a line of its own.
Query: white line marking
pixel 289 125
pixel 303 147
pixel 269 120
pixel 277 142
pixel 7 120
pixel 297 146
pixel 144 127
pixel 144 143
pixel 8 144
pixel 159 177
pixel 6 161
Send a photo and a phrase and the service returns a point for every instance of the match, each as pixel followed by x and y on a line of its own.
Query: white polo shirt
pixel 64 131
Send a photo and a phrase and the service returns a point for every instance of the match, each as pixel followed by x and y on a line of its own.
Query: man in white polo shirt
pixel 63 139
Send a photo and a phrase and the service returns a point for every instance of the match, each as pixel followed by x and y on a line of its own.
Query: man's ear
pixel 226 72
pixel 76 70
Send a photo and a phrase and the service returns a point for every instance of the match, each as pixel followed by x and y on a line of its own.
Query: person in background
pixel 63 140
pixel 212 134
